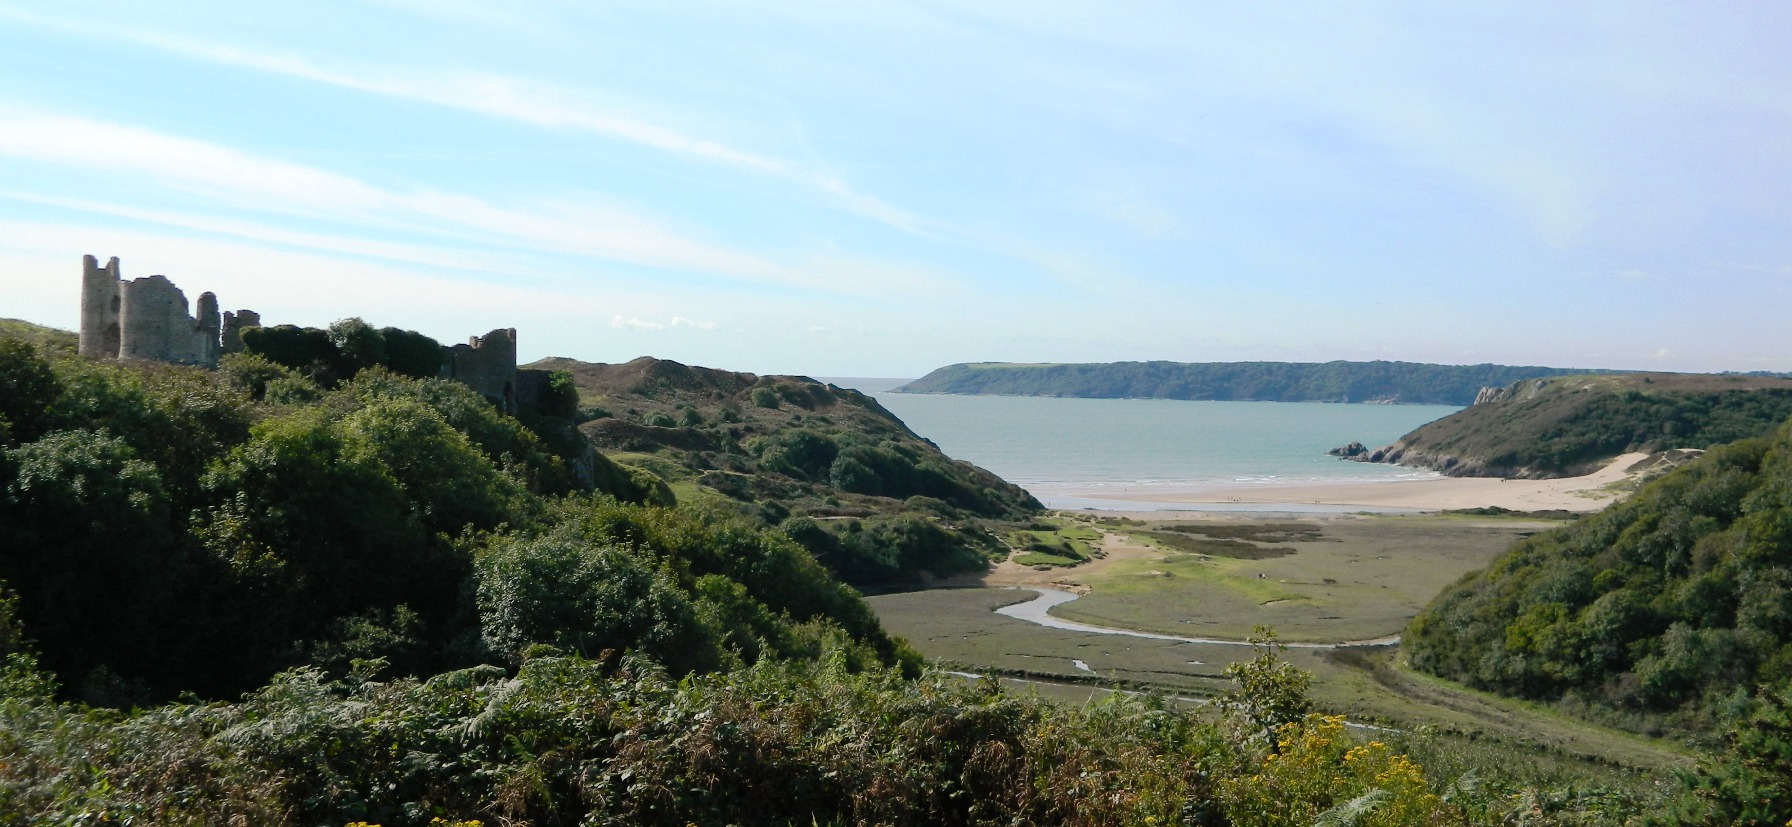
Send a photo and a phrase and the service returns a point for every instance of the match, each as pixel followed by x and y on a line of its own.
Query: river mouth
pixel 1038 611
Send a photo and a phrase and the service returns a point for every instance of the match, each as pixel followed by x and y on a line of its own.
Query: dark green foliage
pixel 560 397
pixel 169 515
pixel 1662 605
pixel 773 569
pixel 570 741
pixel 1271 692
pixel 409 353
pixel 346 348
pixel 797 452
pixel 252 374
pixel 1408 382
pixel 305 349
pixel 898 548
pixel 561 590
pixel 27 389
pixel 505 441
pixel 12 629
pixel 1750 782
pixel 85 538
pixel 359 345
pixel 1567 426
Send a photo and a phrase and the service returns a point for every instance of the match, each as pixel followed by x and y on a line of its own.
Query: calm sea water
pixel 1060 448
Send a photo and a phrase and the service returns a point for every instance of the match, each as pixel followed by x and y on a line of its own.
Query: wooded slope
pixel 1569 425
pixel 1661 607
pixel 1404 382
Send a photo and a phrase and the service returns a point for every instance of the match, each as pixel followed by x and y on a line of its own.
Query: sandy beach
pixel 1583 494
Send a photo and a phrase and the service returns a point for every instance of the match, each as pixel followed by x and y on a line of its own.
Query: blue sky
pixel 879 189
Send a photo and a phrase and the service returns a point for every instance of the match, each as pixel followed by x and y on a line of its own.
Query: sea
pixel 1098 453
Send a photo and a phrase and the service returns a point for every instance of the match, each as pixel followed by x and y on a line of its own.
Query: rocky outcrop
pixel 1518 391
pixel 1351 451
pixel 1450 466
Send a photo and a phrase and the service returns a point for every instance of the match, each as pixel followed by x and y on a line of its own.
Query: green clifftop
pixel 1401 382
pixel 1569 425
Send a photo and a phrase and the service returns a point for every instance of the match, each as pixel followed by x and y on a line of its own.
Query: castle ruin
pixel 487 364
pixel 147 318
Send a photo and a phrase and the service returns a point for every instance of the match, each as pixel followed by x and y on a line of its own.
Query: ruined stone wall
pixel 146 318
pixel 486 364
pixel 230 338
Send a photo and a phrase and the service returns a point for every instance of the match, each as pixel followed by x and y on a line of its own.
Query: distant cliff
pixel 1570 425
pixel 1390 382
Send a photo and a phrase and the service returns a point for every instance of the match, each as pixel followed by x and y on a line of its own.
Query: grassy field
pixel 1344 579
pixel 1059 541
pixel 1382 569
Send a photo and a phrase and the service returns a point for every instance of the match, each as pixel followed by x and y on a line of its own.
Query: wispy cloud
pixel 631 323
pixel 251 182
pixel 510 98
pixel 635 324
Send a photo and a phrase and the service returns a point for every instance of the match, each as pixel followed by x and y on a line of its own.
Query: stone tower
pixel 147 318
pixel 99 309
pixel 486 364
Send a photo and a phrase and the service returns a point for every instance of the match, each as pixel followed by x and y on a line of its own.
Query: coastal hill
pixel 1570 425
pixel 1413 383
pixel 872 500
pixel 1650 614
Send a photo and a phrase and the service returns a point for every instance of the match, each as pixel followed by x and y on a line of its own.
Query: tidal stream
pixel 1038 610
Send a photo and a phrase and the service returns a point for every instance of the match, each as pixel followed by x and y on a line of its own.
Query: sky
pixel 879 189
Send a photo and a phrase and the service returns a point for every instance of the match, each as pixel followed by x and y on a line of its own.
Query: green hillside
pixel 1663 609
pixel 255 595
pixel 49 339
pixel 169 529
pixel 873 501
pixel 1403 382
pixel 1566 426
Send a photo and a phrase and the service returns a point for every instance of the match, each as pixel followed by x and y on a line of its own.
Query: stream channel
pixel 1038 610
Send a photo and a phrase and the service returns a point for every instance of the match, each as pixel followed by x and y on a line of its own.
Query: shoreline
pixel 1583 494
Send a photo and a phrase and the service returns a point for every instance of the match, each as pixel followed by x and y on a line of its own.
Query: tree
pixel 1271 692
pixel 563 591
pixel 1750 782
pixel 560 398
pixel 305 349
pixel 27 387
pixel 86 539
pixel 359 344
pixel 409 353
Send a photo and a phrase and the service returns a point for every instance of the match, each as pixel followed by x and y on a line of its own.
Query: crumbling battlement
pixel 147 318
pixel 486 364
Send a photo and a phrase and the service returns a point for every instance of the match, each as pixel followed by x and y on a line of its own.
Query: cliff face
pixel 1571 425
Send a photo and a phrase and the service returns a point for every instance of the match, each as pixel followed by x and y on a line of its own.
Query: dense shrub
pixel 1662 605
pixel 572 741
